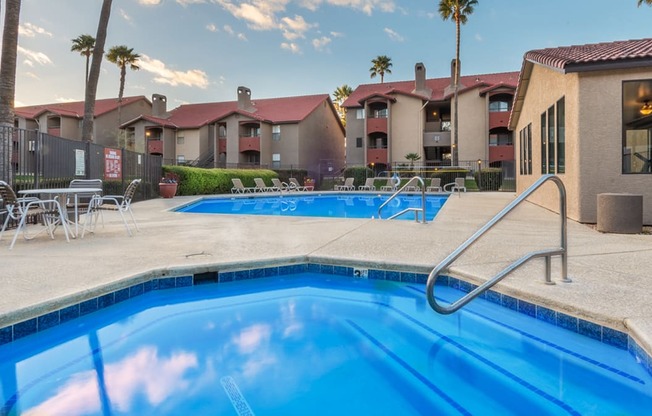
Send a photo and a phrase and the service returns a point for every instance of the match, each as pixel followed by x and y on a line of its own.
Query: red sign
pixel 112 164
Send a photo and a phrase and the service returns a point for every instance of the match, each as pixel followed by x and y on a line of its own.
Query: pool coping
pixel 28 321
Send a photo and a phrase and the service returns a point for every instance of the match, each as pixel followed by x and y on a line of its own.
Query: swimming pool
pixel 314 344
pixel 318 205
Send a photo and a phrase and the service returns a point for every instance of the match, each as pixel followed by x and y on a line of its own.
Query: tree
pixel 84 44
pixel 458 11
pixel 381 66
pixel 412 157
pixel 8 84
pixel 339 96
pixel 648 2
pixel 123 57
pixel 94 74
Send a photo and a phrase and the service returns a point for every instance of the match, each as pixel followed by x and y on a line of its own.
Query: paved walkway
pixel 611 284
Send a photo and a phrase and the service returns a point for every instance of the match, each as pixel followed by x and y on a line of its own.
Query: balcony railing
pixel 155 147
pixel 503 152
pixel 377 155
pixel 221 145
pixel 498 119
pixel 377 125
pixel 249 143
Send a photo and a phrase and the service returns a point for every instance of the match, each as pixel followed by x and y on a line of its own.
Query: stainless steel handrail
pixel 415 210
pixel 562 251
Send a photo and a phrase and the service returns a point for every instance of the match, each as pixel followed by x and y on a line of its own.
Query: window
pixel 181 140
pixel 561 135
pixel 254 131
pixel 500 138
pixel 221 130
pixel 637 126
pixel 382 113
pixel 496 106
pixel 358 142
pixel 529 149
pixel 544 141
pixel 551 139
pixel 359 113
pixel 276 133
pixel 276 160
pixel 181 159
pixel 525 141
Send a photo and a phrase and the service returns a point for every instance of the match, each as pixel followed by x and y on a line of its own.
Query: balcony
pixel 376 125
pixel 54 131
pixel 440 138
pixel 503 152
pixel 498 119
pixel 377 155
pixel 221 145
pixel 249 143
pixel 155 147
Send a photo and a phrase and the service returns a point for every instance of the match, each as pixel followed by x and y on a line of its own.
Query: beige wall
pixel 593 139
pixel 190 147
pixel 473 126
pixel 405 132
pixel 320 137
pixel 354 128
pixel 287 146
pixel 106 130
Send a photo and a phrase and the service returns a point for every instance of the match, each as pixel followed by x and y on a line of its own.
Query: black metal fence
pixel 39 160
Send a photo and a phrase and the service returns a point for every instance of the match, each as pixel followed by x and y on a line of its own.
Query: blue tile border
pixel 589 329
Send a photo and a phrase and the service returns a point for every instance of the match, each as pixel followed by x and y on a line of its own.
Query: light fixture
pixel 646 110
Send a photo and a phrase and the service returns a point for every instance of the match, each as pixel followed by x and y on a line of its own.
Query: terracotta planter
pixel 309 182
pixel 167 190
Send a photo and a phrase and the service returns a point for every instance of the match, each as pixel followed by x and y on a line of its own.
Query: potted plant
pixel 168 185
pixel 309 182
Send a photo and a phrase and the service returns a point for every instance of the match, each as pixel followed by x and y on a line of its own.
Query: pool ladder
pixel 547 254
pixel 409 185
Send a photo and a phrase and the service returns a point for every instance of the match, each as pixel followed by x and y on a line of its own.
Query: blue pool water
pixel 326 205
pixel 312 344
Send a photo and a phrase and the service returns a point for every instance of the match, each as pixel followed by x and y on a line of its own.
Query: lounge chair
pixel 116 203
pixel 391 184
pixel 280 185
pixel 347 186
pixel 368 185
pixel 261 187
pixel 458 186
pixel 295 185
pixel 239 188
pixel 435 185
pixel 19 209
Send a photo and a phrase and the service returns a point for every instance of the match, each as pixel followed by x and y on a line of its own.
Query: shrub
pixel 359 173
pixel 449 175
pixel 199 181
pixel 489 179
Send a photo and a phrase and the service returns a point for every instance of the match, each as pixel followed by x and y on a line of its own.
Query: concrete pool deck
pixel 611 284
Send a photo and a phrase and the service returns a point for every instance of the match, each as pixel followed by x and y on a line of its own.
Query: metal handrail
pixel 415 210
pixel 562 251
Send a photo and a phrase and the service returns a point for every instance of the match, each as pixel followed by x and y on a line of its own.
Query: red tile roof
pixel 569 58
pixel 437 85
pixel 75 108
pixel 272 110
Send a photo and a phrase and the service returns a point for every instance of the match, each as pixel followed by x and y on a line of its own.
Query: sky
pixel 196 51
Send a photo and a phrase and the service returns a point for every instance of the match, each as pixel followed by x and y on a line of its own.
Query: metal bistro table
pixel 63 193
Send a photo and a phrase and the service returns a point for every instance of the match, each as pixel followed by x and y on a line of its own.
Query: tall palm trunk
pixel 8 85
pixel 94 74
pixel 456 84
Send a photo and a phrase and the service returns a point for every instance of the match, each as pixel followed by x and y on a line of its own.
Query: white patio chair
pixel 458 186
pixel 239 188
pixel 280 185
pixel 347 186
pixel 116 203
pixel 368 185
pixel 435 185
pixel 20 209
pixel 294 184
pixel 261 186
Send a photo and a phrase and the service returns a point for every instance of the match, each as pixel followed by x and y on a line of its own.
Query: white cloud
pixel 479 37
pixel 366 6
pixel 164 75
pixel 242 36
pixel 28 63
pixel 149 2
pixel 259 15
pixel 393 35
pixel 212 28
pixel 311 5
pixel 185 3
pixel 295 28
pixel 292 47
pixel 32 75
pixel 228 29
pixel 337 34
pixel 30 30
pixel 321 43
pixel 31 56
pixel 125 16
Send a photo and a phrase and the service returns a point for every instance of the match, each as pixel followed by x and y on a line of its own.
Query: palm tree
pixel 123 57
pixel 458 11
pixel 94 74
pixel 381 66
pixel 648 2
pixel 8 84
pixel 84 44
pixel 412 157
pixel 339 96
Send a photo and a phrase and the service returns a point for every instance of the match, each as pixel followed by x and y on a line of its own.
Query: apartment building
pixel 303 132
pixel 386 121
pixel 584 113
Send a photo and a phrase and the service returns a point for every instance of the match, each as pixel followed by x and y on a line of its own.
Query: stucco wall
pixel 190 146
pixel 405 133
pixel 593 102
pixel 354 129
pixel 473 126
pixel 287 146
pixel 320 138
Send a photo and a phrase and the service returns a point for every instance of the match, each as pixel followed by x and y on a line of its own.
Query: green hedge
pixel 199 181
pixel 449 175
pixel 489 179
pixel 359 173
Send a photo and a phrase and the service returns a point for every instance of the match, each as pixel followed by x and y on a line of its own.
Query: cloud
pixel 337 34
pixel 259 15
pixel 164 75
pixel 212 28
pixel 149 2
pixel 31 56
pixel 311 5
pixel 228 29
pixel 295 28
pixel 30 30
pixel 185 3
pixel 125 16
pixel 292 47
pixel 321 43
pixel 366 6
pixel 479 37
pixel 393 35
pixel 242 36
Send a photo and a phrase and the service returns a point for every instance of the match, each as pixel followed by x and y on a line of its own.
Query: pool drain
pixel 237 399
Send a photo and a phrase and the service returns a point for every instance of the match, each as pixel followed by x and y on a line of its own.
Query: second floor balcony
pixel 249 143
pixel 376 125
pixel 501 152
pixel 498 119
pixel 221 145
pixel 377 155
pixel 155 147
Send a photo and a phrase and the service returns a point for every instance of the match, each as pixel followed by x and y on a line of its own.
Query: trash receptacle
pixel 620 213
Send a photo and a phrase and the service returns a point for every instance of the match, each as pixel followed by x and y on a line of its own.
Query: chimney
pixel 159 105
pixel 450 88
pixel 420 80
pixel 244 99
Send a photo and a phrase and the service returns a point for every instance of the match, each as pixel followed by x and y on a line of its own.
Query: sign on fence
pixel 80 162
pixel 112 164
